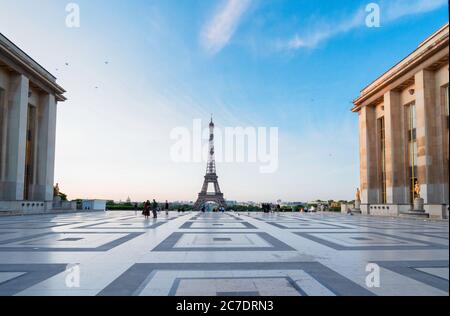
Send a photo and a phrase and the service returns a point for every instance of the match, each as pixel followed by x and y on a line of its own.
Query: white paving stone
pixel 120 253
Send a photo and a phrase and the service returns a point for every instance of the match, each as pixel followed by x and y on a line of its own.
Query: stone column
pixel 429 160
pixel 368 155
pixel 46 147
pixel 3 133
pixel 395 159
pixel 17 102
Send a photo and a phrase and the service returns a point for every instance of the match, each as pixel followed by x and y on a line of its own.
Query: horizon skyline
pixel 228 200
pixel 251 63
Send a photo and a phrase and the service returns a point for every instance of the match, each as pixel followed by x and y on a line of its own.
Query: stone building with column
pixel 404 133
pixel 28 106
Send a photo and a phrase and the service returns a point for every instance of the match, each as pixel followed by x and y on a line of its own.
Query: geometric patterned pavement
pixel 230 254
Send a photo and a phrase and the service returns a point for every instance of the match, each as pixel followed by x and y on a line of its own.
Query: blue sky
pixel 295 65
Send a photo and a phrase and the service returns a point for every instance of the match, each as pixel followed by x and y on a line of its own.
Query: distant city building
pixel 404 132
pixel 293 203
pixel 318 203
pixel 28 106
pixel 249 203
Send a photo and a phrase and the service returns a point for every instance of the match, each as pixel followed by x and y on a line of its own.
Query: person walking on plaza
pixel 146 211
pixel 155 208
pixel 166 207
pixel 135 209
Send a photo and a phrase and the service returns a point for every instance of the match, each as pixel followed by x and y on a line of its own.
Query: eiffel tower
pixel 211 177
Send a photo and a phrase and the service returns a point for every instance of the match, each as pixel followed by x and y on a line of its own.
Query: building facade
pixel 404 133
pixel 28 106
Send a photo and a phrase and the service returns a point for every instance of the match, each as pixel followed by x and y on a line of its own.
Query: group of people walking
pixel 219 209
pixel 154 208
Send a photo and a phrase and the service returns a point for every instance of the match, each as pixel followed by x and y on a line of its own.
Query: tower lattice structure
pixel 211 177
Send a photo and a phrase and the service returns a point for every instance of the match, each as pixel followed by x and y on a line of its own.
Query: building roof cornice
pixel 435 43
pixel 19 60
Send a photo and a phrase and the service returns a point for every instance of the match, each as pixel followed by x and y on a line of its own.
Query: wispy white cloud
pixel 219 30
pixel 400 8
pixel 390 11
pixel 321 32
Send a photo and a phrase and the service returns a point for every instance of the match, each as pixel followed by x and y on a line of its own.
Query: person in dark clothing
pixel 155 209
pixel 166 207
pixel 146 211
